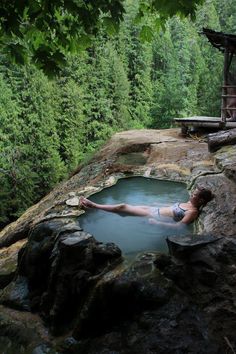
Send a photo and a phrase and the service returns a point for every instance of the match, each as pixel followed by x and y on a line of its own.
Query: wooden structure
pixel 211 123
pixel 226 43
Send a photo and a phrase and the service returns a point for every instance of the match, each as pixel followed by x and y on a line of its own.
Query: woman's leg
pixel 140 210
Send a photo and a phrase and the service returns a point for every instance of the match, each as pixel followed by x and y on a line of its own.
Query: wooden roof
pixel 221 40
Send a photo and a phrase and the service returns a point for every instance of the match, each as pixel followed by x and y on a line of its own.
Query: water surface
pixel 134 234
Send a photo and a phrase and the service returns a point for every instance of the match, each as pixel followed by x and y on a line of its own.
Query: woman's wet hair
pixel 205 194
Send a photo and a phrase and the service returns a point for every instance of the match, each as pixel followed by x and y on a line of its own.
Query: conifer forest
pixel 130 79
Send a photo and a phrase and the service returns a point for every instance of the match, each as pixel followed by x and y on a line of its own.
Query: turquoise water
pixel 134 234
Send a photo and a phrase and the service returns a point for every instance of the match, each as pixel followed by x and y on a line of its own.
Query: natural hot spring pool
pixel 134 234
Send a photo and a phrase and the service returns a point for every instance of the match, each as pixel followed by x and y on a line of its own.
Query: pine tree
pixel 118 88
pixel 30 155
pixel 165 81
pixel 9 138
pixel 139 61
pixel 69 117
pixel 98 104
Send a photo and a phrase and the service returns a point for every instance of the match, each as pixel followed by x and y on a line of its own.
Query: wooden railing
pixel 224 102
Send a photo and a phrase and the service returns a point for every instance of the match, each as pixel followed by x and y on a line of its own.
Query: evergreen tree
pixel 106 92
pixel 189 65
pixel 139 60
pixel 226 15
pixel 30 156
pixel 9 138
pixel 41 141
pixel 166 81
pixel 69 117
pixel 119 88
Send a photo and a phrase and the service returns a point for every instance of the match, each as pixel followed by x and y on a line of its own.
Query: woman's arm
pixel 189 217
pixel 165 223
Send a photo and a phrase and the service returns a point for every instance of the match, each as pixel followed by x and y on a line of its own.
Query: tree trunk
pixel 221 138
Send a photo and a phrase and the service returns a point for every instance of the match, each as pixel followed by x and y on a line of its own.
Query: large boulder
pixel 183 304
pixel 56 269
pixel 140 311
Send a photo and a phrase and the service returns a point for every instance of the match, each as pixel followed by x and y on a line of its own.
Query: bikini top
pixel 178 212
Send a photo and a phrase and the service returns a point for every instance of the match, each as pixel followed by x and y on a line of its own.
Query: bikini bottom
pixel 155 212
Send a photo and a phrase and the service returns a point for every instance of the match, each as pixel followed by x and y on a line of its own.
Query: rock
pixel 207 277
pixel 72 194
pixel 68 346
pixel 43 349
pixel 56 269
pixel 76 240
pixel 122 296
pixel 73 201
pixel 218 217
pixel 185 245
pixel 141 314
pixel 16 294
pixel 103 252
pixel 21 332
pixel 8 262
pixel 13 233
pixel 162 261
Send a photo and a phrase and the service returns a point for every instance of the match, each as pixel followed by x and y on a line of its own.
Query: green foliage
pixel 226 15
pixel 69 116
pixel 8 139
pixel 169 9
pixel 30 161
pixel 45 31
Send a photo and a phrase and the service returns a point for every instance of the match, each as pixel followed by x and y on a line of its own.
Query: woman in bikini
pixel 182 213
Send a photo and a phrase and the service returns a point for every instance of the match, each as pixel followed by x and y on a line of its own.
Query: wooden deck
pixel 203 122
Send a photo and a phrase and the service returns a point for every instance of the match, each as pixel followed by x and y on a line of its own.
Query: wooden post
pixel 224 87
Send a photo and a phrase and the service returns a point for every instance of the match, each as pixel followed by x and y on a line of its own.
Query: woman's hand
pixel 153 221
